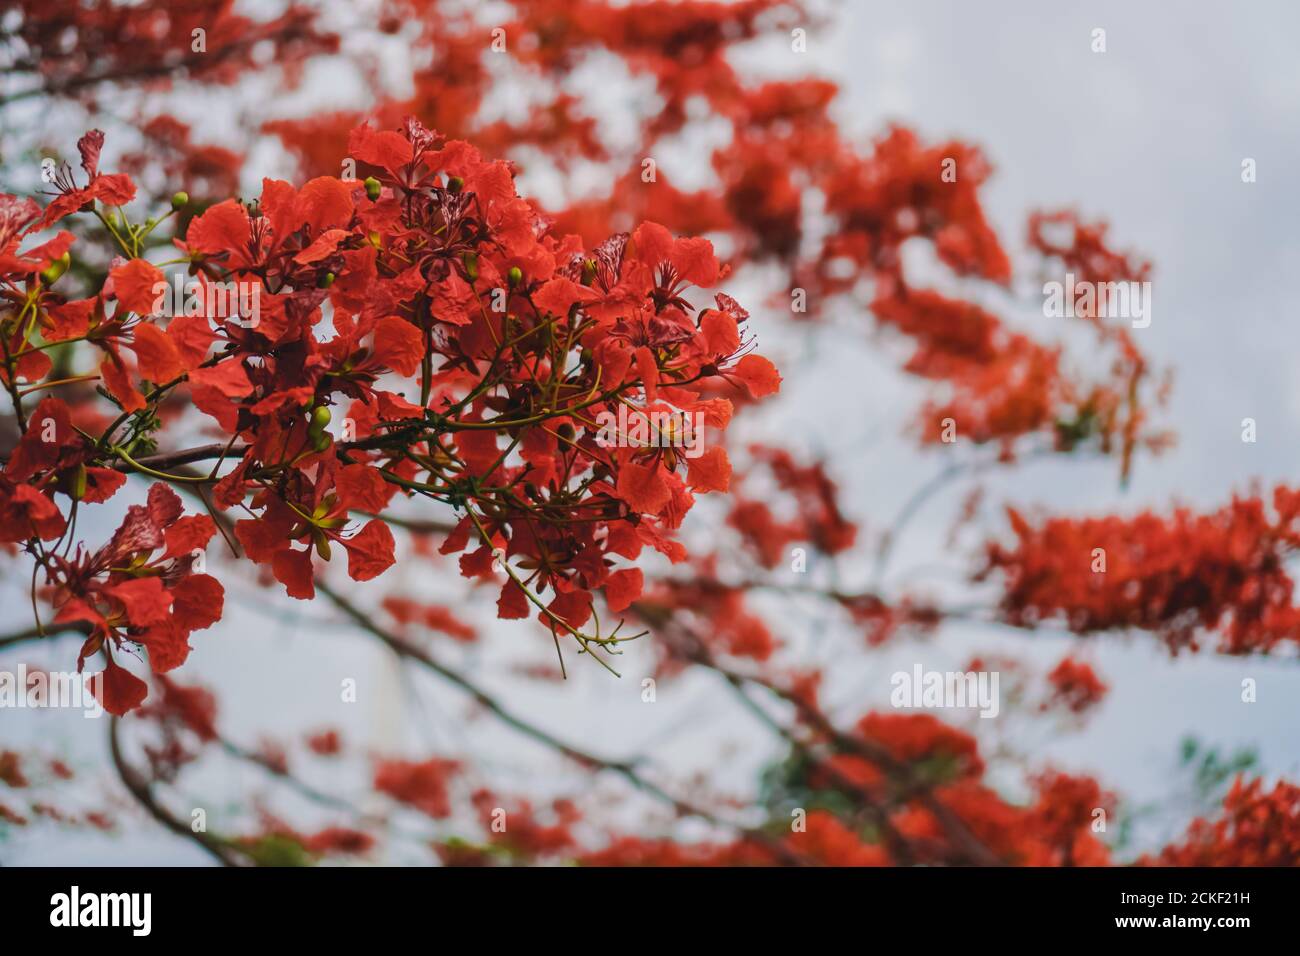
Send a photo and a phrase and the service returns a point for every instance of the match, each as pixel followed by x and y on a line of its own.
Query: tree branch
pixel 582 757
pixel 140 788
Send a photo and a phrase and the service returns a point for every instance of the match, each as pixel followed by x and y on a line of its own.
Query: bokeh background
pixel 1149 135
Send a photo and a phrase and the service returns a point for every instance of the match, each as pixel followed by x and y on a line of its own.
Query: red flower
pixel 1075 686
pixel 422 785
pixel 112 190
pixel 132 596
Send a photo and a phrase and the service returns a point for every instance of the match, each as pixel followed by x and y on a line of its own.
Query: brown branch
pixel 140 788
pixel 899 848
pixel 585 759
pixel 970 846
pixel 34 633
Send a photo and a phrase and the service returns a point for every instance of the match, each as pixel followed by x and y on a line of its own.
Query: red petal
pixel 102 484
pixel 197 602
pixel 28 513
pixel 759 375
pixel 325 203
pixel 119 690
pixel 156 354
pixel 643 487
pixel 164 504
pixel 370 551
pixel 710 472
pixel 50 419
pixel 648 369
pixel 695 262
pixel 145 599
pixel 262 540
pixel 324 245
pixel 43 255
pixel 188 534
pixel 721 334
pixel 623 587
pixel 512 605
pixel 89 146
pixel 573 608
pixel 133 284
pixel 168 647
pixel 398 345
pixel 228 378
pixel 557 295
pixel 654 243
pixel 293 570
pixel 69 320
pixel 118 383
pixel 363 488
pixel 115 189
pixel 384 148
pixel 223 228
pixel 192 336
pixel 32 366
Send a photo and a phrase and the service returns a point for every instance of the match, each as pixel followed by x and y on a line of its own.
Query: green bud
pixel 455 184
pixel 515 276
pixel 320 417
pixel 79 483
pixel 56 269
pixel 373 188
pixel 325 281
pixel 180 199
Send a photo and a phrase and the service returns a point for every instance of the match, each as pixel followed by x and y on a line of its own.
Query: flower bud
pixel 320 417
pixel 180 199
pixel 455 184
pixel 56 269
pixel 325 281
pixel 79 483
pixel 373 188
pixel 515 276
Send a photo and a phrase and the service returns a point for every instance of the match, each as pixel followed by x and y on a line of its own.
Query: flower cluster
pixel 1179 576
pixel 463 351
